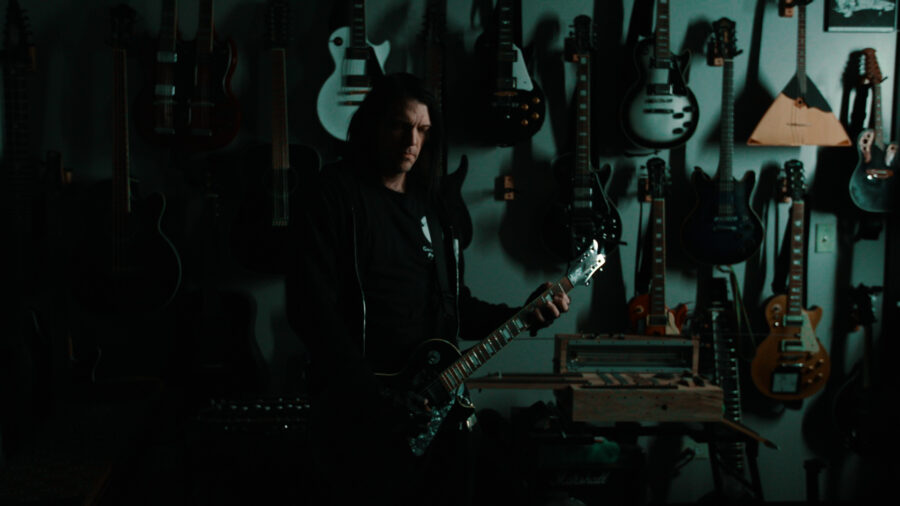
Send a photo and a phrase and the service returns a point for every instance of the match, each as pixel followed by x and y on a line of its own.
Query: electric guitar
pixel 583 211
pixel 356 63
pixel 437 370
pixel 722 228
pixel 660 111
pixel 129 265
pixel 160 107
pixel 261 230
pixel 800 115
pixel 873 184
pixel 648 312
pixel 512 102
pixel 215 114
pixel 791 363
pixel 451 184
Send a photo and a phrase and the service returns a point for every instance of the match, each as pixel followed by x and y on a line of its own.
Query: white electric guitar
pixel 356 61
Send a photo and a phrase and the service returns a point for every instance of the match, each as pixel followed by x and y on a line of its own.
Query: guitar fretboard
pixel 168 27
pixel 794 315
pixel 280 146
pixel 583 172
pixel 357 28
pixel 658 315
pixel 121 187
pixel 506 50
pixel 801 47
pixel 726 142
pixel 661 42
pixel 454 376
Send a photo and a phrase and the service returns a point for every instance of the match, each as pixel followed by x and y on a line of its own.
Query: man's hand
pixel 544 314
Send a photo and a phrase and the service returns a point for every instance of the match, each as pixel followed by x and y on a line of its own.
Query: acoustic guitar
pixel 800 115
pixel 648 312
pixel 356 63
pixel 513 104
pixel 437 371
pixel 873 184
pixel 791 364
pixel 660 111
pixel 582 212
pixel 128 263
pixel 722 228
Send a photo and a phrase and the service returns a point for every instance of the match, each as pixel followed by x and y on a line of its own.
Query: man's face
pixel 402 136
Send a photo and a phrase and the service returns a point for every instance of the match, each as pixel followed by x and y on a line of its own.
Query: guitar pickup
pixel 166 57
pixel 660 89
pixel 791 346
pixel 164 90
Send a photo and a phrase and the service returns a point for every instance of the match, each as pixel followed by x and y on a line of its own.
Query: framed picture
pixel 860 16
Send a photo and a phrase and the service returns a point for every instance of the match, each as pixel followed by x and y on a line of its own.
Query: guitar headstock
pixel 872 71
pixel 586 264
pixel 658 179
pixel 18 47
pixel 796 183
pixel 278 24
pixel 722 46
pixel 581 41
pixel 121 19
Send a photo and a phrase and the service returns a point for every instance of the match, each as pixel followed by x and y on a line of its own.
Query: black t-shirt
pixel 399 280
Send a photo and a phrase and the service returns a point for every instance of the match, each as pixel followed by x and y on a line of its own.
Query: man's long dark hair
pixel 387 91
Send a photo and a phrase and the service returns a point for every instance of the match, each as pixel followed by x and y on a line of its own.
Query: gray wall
pixel 505 261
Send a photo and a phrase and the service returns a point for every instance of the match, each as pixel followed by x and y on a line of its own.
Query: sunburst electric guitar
pixel 791 364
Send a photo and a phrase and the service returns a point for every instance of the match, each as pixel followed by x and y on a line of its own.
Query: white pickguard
pixel 337 103
pixel 520 72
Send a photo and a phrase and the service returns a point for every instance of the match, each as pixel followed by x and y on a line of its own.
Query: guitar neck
pixel 120 177
pixel 455 375
pixel 794 315
pixel 661 41
pixel 16 119
pixel 280 145
pixel 801 47
pixel 726 128
pixel 434 66
pixel 358 30
pixel 168 27
pixel 583 171
pixel 205 28
pixel 877 121
pixel 506 49
pixel 657 315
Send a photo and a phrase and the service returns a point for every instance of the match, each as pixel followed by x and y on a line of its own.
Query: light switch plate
pixel 825 238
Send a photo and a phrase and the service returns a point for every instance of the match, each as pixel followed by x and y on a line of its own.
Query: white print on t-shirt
pixel 427 248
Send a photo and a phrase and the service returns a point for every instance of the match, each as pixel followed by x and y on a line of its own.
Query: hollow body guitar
pixel 660 111
pixel 722 228
pixel 791 363
pixel 437 370
pixel 356 63
pixel 873 184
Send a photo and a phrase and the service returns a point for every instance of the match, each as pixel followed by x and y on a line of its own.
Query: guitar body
pixel 873 184
pixel 567 229
pixel 659 111
pixel 135 271
pixel 714 238
pixel 256 242
pixel 421 375
pixel 346 87
pixel 215 113
pixel 782 359
pixel 796 119
pixel 639 316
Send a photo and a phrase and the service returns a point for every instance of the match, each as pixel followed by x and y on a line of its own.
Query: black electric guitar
pixel 260 232
pixel 800 115
pixel 451 184
pixel 438 371
pixel 648 312
pixel 215 113
pixel 722 228
pixel 660 111
pixel 583 211
pixel 128 263
pixel 513 104
pixel 356 63
pixel 873 184
pixel 791 364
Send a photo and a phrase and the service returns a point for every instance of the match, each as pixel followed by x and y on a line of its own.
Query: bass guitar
pixel 648 312
pixel 214 111
pixel 438 371
pixel 356 62
pixel 791 364
pixel 260 232
pixel 513 103
pixel 129 265
pixel 583 211
pixel 873 184
pixel 800 115
pixel 660 111
pixel 722 228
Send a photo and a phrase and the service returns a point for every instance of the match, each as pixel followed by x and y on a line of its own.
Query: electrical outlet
pixel 825 237
pixel 701 450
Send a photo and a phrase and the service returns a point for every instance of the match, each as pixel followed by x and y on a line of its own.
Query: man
pixel 379 272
